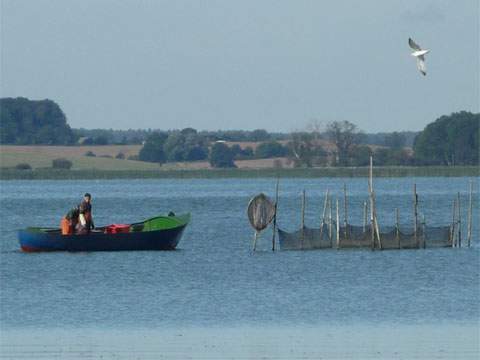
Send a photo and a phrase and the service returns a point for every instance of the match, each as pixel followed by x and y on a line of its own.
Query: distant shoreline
pixel 390 171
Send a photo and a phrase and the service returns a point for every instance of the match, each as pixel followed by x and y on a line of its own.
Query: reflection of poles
pixel 303 215
pixel 275 216
pixel 470 210
pixel 459 221
pixel 338 227
pixel 323 215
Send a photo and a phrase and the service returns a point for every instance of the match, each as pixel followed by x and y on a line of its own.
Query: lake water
pixel 214 284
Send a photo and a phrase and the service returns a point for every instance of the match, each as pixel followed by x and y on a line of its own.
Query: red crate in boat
pixel 117 228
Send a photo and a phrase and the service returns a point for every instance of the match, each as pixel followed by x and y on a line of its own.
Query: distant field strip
pixel 12 174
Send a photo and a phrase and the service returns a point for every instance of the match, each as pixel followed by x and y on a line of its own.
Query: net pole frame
pixel 397 227
pixel 364 216
pixel 415 215
pixel 345 214
pixel 303 216
pixel 470 214
pixel 370 190
pixel 275 216
pixel 323 215
pixel 423 231
pixel 452 230
pixel 338 226
pixel 330 224
pixel 459 221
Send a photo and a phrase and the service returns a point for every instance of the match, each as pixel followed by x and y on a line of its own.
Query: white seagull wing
pixel 413 45
pixel 421 64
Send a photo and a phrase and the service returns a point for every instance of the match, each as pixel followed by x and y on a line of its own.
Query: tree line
pixel 449 140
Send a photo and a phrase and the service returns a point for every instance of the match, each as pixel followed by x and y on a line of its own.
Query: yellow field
pixel 42 156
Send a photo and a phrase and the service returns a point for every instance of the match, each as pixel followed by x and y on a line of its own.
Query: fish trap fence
pixel 353 236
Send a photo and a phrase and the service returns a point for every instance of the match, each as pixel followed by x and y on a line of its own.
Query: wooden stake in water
pixel 470 214
pixel 364 216
pixel 275 216
pixel 415 215
pixel 345 215
pixel 255 241
pixel 459 221
pixel 370 190
pixel 423 232
pixel 330 221
pixel 377 230
pixel 452 232
pixel 303 216
pixel 338 227
pixel 322 223
pixel 397 226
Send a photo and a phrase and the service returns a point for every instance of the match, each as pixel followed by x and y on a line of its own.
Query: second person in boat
pixel 85 219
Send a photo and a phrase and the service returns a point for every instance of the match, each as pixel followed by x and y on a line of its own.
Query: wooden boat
pixel 158 233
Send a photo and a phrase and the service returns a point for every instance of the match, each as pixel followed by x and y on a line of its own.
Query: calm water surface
pixel 214 279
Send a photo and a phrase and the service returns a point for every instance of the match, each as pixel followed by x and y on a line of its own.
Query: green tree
pixel 152 150
pixel 28 122
pixel 221 156
pixel 345 135
pixel 395 140
pixel 270 149
pixel 306 150
pixel 361 155
pixel 449 140
pixel 185 145
pixel 259 135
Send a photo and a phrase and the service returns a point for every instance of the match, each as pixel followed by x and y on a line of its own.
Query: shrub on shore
pixel 61 163
pixel 23 166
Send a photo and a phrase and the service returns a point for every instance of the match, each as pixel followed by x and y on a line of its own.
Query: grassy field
pixel 40 157
pixel 11 174
pixel 84 167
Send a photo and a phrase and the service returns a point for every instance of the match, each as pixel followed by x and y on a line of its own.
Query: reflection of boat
pixel 158 233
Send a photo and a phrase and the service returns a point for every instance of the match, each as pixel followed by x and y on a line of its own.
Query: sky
pixel 276 65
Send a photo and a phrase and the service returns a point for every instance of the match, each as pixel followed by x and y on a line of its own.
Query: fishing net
pixel 305 239
pixel 260 211
pixel 353 236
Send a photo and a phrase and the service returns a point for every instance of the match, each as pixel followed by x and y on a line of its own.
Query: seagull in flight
pixel 419 53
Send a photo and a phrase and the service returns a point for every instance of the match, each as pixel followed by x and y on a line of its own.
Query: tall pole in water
pixel 459 221
pixel 470 214
pixel 397 226
pixel 338 227
pixel 330 221
pixel 275 216
pixel 322 223
pixel 452 232
pixel 364 216
pixel 345 211
pixel 303 216
pixel 415 214
pixel 370 190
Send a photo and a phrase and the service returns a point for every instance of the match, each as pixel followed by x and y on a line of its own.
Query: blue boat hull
pixel 98 241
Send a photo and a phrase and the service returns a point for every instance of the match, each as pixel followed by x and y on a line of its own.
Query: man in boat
pixel 69 221
pixel 85 219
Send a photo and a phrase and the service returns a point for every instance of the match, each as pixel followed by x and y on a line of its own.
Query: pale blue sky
pixel 242 64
